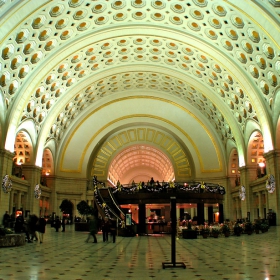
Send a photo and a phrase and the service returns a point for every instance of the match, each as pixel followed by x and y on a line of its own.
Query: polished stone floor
pixel 65 255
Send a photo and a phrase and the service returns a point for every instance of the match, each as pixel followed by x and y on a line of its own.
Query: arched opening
pixel 66 208
pixel 140 163
pixel 47 166
pixel 255 154
pixel 23 153
pixel 233 171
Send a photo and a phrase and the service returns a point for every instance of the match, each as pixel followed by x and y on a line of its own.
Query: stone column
pixel 46 207
pixel 235 208
pixel 238 208
pixel 210 214
pixel 206 214
pixel 32 173
pixel 272 167
pixel 43 205
pixel 19 205
pixel 181 213
pixel 260 205
pixel 267 202
pixel 200 213
pixel 193 212
pixel 247 175
pixel 54 186
pixel 221 213
pixel 142 218
pixel 11 202
pixel 6 164
pixel 228 201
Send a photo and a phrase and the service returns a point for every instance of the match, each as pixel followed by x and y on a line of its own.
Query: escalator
pixel 110 201
pixel 107 205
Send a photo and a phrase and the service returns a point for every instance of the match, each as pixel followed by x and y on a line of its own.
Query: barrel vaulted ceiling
pixel 78 75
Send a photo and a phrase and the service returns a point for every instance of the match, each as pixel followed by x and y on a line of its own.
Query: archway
pixel 140 163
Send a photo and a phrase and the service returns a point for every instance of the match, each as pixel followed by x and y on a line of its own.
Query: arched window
pixel 233 168
pixel 255 154
pixel 47 166
pixel 23 153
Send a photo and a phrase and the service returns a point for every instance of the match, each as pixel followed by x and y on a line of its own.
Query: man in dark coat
pixel 105 229
pixel 113 229
pixel 41 228
pixel 63 223
pixel 6 219
pixel 57 224
pixel 33 219
pixel 20 227
pixel 93 228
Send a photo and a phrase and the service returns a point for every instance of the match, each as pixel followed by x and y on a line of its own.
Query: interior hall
pixel 160 115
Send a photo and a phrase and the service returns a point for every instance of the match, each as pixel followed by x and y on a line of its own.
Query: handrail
pixel 114 201
pixel 191 187
pixel 103 205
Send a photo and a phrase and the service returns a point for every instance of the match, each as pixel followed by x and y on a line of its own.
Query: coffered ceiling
pixel 75 73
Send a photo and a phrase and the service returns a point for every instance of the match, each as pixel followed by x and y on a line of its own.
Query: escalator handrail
pixel 115 204
pixel 114 201
pixel 103 201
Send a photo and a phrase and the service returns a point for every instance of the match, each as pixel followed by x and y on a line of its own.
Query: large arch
pixel 82 77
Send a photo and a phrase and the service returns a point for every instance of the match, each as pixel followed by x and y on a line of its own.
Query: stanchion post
pixel 173 262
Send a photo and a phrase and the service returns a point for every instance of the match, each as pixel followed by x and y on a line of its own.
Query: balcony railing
pixel 191 187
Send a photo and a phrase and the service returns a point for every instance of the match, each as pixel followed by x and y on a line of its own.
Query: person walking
pixel 57 224
pixel 33 219
pixel 113 229
pixel 93 228
pixel 63 223
pixel 6 219
pixel 105 229
pixel 41 229
pixel 21 226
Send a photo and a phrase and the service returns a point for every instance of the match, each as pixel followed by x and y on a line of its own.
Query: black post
pixel 221 213
pixel 174 231
pixel 200 213
pixel 173 237
pixel 210 215
pixel 142 219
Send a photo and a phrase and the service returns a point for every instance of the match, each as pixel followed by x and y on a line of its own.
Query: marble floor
pixel 65 255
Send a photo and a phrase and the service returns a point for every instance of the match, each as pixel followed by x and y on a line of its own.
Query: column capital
pixel 272 154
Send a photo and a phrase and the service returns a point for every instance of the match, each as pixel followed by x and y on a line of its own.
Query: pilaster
pixel 6 164
pixel 273 167
pixel 32 174
pixel 247 175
